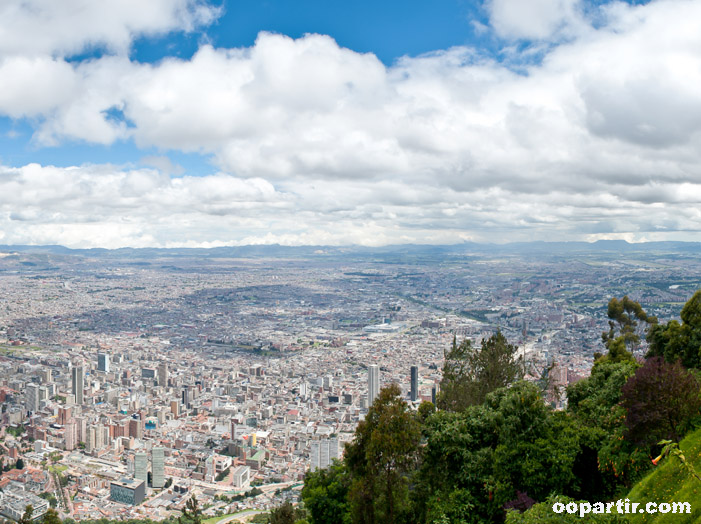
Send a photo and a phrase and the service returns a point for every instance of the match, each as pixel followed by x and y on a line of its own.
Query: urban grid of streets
pixel 245 371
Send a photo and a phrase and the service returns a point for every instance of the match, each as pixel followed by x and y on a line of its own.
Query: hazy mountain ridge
pixel 612 246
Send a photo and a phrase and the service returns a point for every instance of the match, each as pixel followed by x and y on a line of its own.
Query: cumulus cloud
pixel 68 27
pixel 319 144
pixel 534 19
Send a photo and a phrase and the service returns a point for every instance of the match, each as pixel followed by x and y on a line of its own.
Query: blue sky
pixel 188 122
pixel 389 29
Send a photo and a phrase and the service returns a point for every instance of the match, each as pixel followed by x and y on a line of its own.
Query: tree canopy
pixel 674 341
pixel 382 453
pixel 470 374
pixel 660 400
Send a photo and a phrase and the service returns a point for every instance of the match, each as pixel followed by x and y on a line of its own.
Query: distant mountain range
pixel 274 250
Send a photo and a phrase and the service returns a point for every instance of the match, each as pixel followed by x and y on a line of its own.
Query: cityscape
pixel 321 262
pixel 131 382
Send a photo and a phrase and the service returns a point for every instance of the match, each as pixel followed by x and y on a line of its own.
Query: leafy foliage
pixel 671 481
pixel 675 341
pixel 51 517
pixel 285 514
pixel 325 494
pixel 543 514
pixel 475 462
pixel 623 332
pixel 26 517
pixel 606 462
pixel 470 374
pixel 382 453
pixel 660 401
pixel 191 513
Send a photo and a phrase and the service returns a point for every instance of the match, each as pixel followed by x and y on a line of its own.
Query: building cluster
pixel 131 387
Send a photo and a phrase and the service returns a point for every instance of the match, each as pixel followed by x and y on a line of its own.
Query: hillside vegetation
pixel 671 482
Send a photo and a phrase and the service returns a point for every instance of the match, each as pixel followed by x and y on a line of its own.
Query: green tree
pixel 51 517
pixel 191 513
pixel 660 400
pixel 624 331
pixel 27 516
pixel 384 450
pixel 469 374
pixel 50 498
pixel 543 514
pixel 283 514
pixel 475 461
pixel 325 494
pixel 606 461
pixel 19 464
pixel 593 399
pixel 674 341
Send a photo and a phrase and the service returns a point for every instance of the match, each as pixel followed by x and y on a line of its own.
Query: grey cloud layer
pixel 319 144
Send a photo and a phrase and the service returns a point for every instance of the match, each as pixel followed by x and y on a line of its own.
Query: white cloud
pixel 534 19
pixel 319 144
pixel 67 27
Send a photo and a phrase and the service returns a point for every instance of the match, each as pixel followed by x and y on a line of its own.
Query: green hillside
pixel 670 482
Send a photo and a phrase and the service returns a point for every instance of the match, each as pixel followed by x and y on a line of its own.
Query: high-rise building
pixel 64 415
pixel 163 374
pixel 333 449
pixel 71 435
pixel 323 452
pixel 135 429
pixel 77 383
pixel 44 395
pixel 158 467
pixel 414 383
pixel 141 466
pixel 103 362
pixel 314 455
pixel 90 439
pixel 31 397
pixel 81 429
pixel 373 383
pixel 100 436
pixel 46 376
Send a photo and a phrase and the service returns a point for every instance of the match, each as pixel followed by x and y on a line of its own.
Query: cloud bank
pixel 317 144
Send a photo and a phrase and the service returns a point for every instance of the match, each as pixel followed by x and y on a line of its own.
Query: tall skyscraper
pixel 314 455
pixel 333 449
pixel 77 383
pixel 414 383
pixel 71 435
pixel 31 397
pixel 163 374
pixel 90 440
pixel 43 396
pixel 103 362
pixel 158 467
pixel 373 383
pixel 141 466
pixel 322 453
